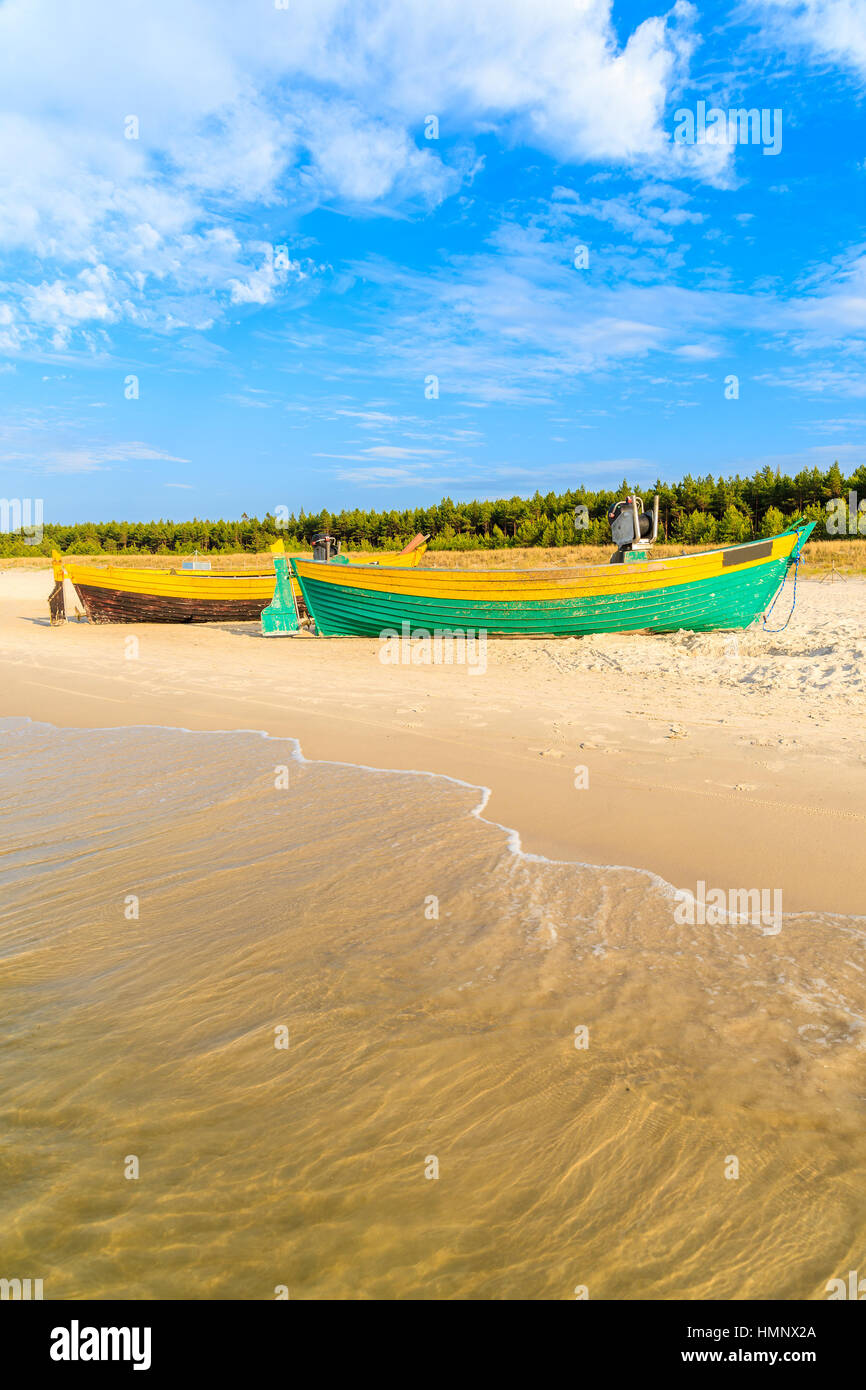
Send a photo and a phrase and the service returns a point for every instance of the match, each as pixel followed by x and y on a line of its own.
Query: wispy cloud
pixel 828 31
pixel 92 458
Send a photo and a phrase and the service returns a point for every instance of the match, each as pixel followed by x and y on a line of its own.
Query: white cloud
pixel 831 31
pixel 642 215
pixel 552 71
pixel 250 108
pixel 58 303
pixel 363 160
pixel 164 285
pixel 260 286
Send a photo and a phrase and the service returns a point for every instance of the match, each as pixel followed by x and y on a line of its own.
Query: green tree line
pixel 695 511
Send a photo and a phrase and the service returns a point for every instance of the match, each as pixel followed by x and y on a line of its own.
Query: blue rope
pixel 778 594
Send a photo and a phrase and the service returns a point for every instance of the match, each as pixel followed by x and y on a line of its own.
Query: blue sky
pixel 283 259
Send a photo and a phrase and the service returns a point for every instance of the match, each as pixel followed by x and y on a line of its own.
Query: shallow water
pixel 410 1037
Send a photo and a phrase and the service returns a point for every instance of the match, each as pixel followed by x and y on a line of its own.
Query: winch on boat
pixel 633 529
pixel 325 547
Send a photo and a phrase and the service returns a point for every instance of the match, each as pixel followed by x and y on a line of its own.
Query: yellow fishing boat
pixel 190 592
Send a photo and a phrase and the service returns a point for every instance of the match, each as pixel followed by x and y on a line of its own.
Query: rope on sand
pixel 778 594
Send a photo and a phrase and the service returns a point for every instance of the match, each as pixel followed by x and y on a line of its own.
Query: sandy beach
pixel 736 759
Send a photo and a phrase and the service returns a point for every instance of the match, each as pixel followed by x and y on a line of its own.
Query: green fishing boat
pixel 724 588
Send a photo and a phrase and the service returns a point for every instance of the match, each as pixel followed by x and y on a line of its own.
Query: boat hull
pixel 115 594
pixel 722 589
pixel 107 605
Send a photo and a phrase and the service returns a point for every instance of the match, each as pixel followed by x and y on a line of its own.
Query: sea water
pixel 277 1028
